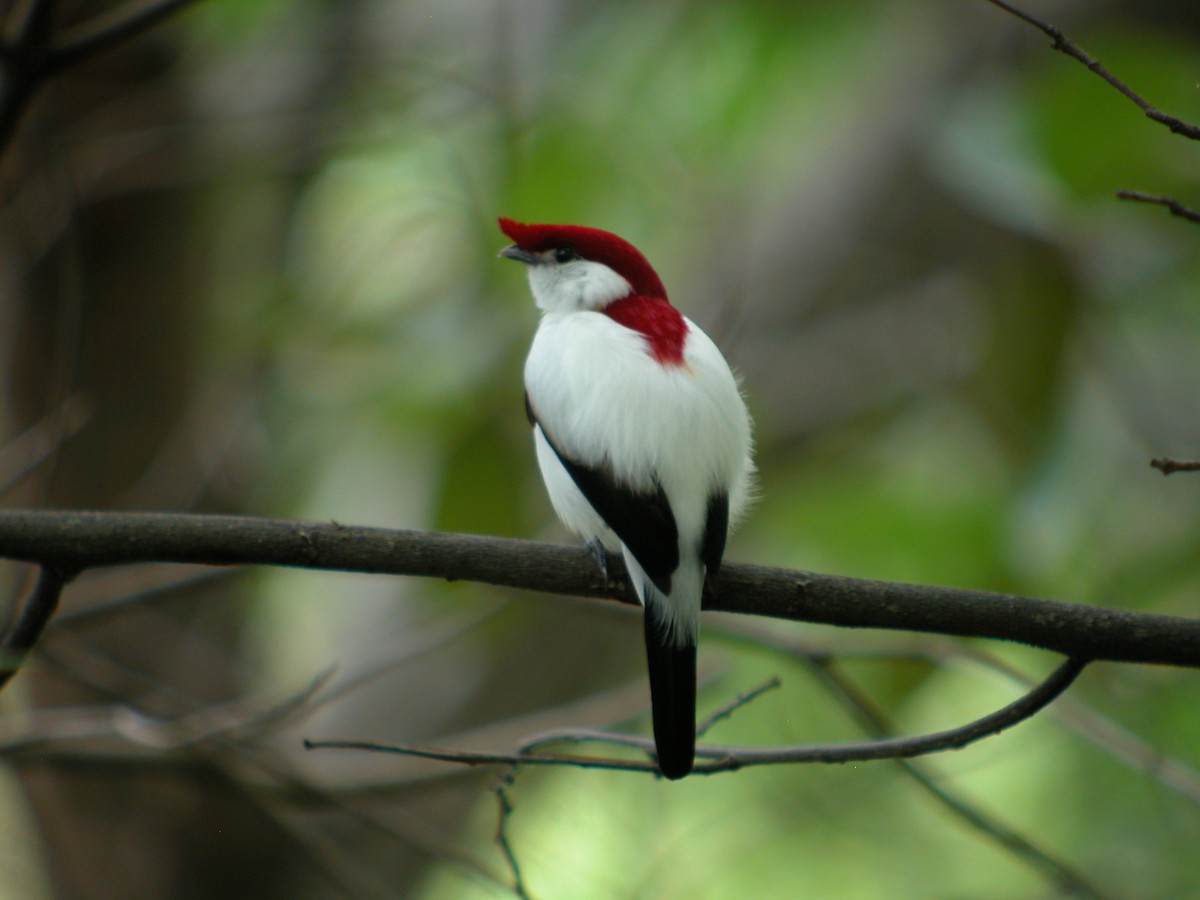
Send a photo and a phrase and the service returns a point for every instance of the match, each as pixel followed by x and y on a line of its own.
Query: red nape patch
pixel 658 320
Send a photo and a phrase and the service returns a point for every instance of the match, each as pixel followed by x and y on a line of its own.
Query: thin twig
pixel 953 739
pixel 24 453
pixel 1174 206
pixel 33 57
pixel 426 641
pixel 22 60
pixel 1064 44
pixel 729 759
pixel 108 30
pixel 1094 727
pixel 535 742
pixel 506 810
pixel 875 722
pixel 737 703
pixel 476 758
pixel 1170 466
pixel 39 20
pixel 38 609
pixel 98 599
pixel 262 771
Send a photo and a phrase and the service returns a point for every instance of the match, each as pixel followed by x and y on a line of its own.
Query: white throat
pixel 574 286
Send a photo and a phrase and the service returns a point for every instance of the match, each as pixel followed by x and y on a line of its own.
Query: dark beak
pixel 515 252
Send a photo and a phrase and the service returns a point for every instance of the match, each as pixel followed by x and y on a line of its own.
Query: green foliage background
pixel 960 351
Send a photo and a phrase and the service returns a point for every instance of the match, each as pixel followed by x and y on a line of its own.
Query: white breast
pixel 606 401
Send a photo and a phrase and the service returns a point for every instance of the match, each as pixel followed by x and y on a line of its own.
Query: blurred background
pixel 248 264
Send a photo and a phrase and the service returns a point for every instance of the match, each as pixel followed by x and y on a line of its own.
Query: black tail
pixel 672 699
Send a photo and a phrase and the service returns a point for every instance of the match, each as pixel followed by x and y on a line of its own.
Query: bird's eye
pixel 565 255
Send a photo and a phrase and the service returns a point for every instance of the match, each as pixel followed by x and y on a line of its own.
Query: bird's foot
pixel 595 547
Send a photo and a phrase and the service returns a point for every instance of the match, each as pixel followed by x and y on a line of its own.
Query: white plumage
pixel 610 403
pixel 642 438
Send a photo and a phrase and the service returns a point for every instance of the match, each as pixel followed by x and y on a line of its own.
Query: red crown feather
pixel 590 243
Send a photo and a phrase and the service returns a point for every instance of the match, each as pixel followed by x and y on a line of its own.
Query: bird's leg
pixel 595 547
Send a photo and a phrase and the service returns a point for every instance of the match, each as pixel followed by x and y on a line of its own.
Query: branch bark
pixel 74 541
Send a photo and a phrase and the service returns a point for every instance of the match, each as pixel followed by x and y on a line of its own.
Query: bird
pixel 643 440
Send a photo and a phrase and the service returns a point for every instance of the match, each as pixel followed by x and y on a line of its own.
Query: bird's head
pixel 574 268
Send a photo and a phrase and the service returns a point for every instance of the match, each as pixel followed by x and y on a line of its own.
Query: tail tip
pixel 676 768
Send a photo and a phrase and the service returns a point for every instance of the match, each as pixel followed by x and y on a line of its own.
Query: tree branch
pixel 38 609
pixel 771 684
pixel 1171 466
pixel 1173 206
pixel 1064 44
pixel 80 540
pixel 505 814
pixel 1069 881
pixel 108 30
pixel 33 57
pixel 728 759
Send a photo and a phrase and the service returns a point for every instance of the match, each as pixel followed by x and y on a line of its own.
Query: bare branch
pixel 108 30
pixel 1171 466
pixel 1174 206
pixel 78 540
pixel 875 722
pixel 475 758
pixel 892 748
pixel 1102 732
pixel 730 759
pixel 506 811
pixel 1064 44
pixel 24 453
pixel 737 703
pixel 39 20
pixel 38 609
pixel 33 57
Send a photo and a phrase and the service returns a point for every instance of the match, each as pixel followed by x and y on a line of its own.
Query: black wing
pixel 641 519
pixel 716 529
